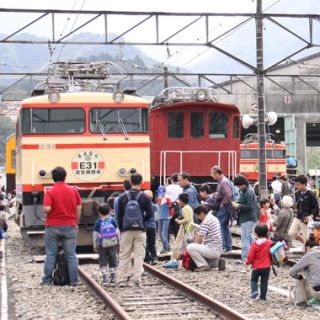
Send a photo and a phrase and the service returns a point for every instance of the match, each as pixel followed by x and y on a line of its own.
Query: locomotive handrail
pixel 232 160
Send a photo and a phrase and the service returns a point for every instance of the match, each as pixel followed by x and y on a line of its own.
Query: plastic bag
pixel 300 292
pixel 309 227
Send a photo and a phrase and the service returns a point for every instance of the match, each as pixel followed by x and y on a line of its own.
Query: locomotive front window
pixel 175 124
pixel 116 120
pixel 53 120
pixel 218 125
pixel 196 125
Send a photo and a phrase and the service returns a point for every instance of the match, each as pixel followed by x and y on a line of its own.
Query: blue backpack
pixel 133 218
pixel 108 234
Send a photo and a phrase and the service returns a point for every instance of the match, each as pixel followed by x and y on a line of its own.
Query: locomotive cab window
pixel 218 125
pixel 236 129
pixel 53 120
pixel 175 124
pixel 196 125
pixel 116 120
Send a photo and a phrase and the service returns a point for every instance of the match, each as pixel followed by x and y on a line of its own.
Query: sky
pixel 11 22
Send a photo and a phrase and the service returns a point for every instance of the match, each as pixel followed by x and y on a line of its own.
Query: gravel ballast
pixel 30 300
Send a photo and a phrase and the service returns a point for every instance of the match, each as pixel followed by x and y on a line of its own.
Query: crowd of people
pixel 188 220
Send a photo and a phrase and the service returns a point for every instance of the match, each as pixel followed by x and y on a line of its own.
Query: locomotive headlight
pixel 54 97
pixel 122 172
pixel 201 95
pixel 118 97
pixel 42 173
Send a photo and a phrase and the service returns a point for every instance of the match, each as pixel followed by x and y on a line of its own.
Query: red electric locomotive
pixel 190 131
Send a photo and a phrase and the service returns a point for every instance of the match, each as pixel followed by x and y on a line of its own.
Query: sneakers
pixel 112 283
pixel 313 302
pixel 254 295
pixel 172 264
pixel 239 262
pixel 222 265
pixel 104 280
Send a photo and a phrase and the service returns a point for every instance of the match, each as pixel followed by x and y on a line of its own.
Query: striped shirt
pixel 210 229
pixel 310 265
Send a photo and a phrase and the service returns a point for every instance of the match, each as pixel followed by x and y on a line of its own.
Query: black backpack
pixel 60 272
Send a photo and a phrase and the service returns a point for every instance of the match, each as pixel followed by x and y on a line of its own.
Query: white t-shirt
pixel 173 191
pixel 276 186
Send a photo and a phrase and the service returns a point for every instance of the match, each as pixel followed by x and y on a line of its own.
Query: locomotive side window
pixel 218 125
pixel 249 154
pixel 196 125
pixel 276 154
pixel 53 120
pixel 118 120
pixel 236 129
pixel 175 124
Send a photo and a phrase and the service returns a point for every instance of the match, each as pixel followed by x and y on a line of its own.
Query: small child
pixel 260 259
pixel 284 220
pixel 105 242
pixel 151 251
pixel 164 204
pixel 265 213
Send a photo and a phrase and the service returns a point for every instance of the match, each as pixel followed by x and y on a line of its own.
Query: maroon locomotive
pixel 190 131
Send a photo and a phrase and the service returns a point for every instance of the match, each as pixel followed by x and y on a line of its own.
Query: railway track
pixel 291 262
pixel 162 297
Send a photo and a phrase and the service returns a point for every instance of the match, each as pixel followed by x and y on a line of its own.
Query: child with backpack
pixel 164 204
pixel 260 259
pixel 105 242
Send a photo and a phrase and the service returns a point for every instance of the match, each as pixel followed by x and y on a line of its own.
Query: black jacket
pixel 144 202
pixel 306 204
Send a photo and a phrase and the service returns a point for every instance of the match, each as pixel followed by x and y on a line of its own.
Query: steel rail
pixel 104 296
pixel 222 310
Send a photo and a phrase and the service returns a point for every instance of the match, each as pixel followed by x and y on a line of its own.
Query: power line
pixel 227 35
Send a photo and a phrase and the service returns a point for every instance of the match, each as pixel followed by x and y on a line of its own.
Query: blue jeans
pixel 224 218
pixel 67 235
pixel 163 231
pixel 246 238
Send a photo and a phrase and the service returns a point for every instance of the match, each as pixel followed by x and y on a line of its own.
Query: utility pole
pixel 263 191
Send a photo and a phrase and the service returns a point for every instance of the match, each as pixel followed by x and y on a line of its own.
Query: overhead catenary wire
pixel 227 35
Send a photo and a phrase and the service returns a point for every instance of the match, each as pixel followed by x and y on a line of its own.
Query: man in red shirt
pixel 62 207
